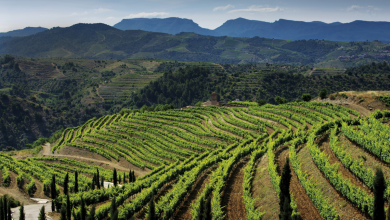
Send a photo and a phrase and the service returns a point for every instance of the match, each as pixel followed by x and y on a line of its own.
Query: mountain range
pixel 280 29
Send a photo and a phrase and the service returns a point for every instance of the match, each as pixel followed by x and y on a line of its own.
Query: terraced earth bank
pixel 217 161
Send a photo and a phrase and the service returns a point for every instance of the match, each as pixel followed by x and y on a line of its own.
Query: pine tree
pixel 21 213
pixel 68 208
pixel 63 213
pixel 114 178
pixel 83 211
pixel 66 181
pixel 152 209
pixel 76 182
pixel 285 199
pixel 53 192
pixel 113 207
pixel 207 209
pixel 92 213
pixel 379 189
pixel 42 215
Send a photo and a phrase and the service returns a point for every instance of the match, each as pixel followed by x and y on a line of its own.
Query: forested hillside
pixel 100 41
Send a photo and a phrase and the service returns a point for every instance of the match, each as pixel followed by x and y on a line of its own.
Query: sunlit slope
pixel 233 156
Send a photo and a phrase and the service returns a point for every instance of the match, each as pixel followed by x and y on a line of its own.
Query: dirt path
pixel 344 207
pixel 266 197
pixel 232 197
pixel 184 210
pixel 363 111
pixel 312 71
pixel 14 191
pixel 47 149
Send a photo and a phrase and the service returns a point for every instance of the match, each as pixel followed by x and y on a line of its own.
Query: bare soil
pixel 184 210
pixel 232 196
pixel 14 191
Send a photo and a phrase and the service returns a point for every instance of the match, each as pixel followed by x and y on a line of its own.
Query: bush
pixel 261 102
pixel 306 97
pixel 323 93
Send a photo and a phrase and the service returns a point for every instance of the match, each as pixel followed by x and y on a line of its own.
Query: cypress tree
pixel 76 182
pixel 92 213
pixel 114 178
pixel 102 182
pixel 152 209
pixel 114 216
pixel 207 209
pixel 124 178
pixel 130 177
pixel 93 183
pixel 379 189
pixel 5 210
pixel 9 211
pixel 285 199
pixel 66 181
pixel 113 207
pixel 63 213
pixel 1 208
pixel 53 192
pixel 42 215
pixel 97 179
pixel 134 179
pixel 388 214
pixel 68 208
pixel 83 211
pixel 119 179
pixel 21 213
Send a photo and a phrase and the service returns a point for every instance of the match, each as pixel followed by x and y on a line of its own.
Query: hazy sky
pixel 18 14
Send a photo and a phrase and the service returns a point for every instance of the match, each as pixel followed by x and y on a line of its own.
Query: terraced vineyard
pixel 226 159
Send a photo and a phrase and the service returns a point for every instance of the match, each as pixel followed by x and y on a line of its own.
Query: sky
pixel 18 14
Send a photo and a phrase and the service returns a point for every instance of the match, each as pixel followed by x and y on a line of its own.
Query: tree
pixel 124 178
pixel 323 93
pixel 113 207
pixel 379 189
pixel 68 208
pixel 74 215
pixel 102 182
pixel 1 208
pixel 261 102
pixel 21 213
pixel 152 210
pixel 207 209
pixel 76 183
pixel 92 213
pixel 97 179
pixel 9 212
pixel 83 210
pixel 63 213
pixel 119 179
pixel 198 104
pixel 306 97
pixel 42 215
pixel 280 100
pixel 114 178
pixel 66 181
pixel 53 192
pixel 285 199
pixel 114 216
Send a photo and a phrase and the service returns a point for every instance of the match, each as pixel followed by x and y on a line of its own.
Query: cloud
pixel 353 7
pixel 100 10
pixel 78 14
pixel 223 7
pixel 367 9
pixel 258 8
pixel 147 15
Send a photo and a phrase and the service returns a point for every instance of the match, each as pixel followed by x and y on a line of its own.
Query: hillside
pixel 231 156
pixel 280 29
pixel 100 41
pixel 68 92
pixel 23 32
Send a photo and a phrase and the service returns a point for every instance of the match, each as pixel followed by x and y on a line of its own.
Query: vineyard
pixel 214 163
